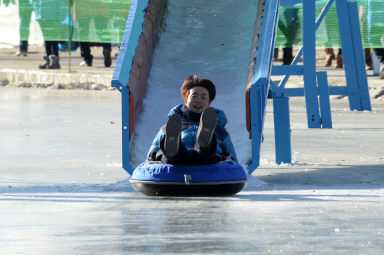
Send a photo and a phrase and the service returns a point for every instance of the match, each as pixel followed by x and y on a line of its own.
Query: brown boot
pixel 368 58
pixel 339 60
pixel 330 55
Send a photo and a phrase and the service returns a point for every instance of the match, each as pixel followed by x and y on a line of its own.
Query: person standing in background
pixel 333 38
pixel 376 30
pixel 25 13
pixel 99 12
pixel 289 25
pixel 50 14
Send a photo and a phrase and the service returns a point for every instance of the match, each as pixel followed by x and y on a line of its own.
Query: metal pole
pixel 309 61
pixel 69 35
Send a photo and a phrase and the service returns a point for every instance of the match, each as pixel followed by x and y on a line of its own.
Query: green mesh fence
pixel 104 21
pixel 79 20
pixel 371 13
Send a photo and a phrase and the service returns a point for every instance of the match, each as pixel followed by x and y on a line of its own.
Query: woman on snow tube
pixel 189 147
pixel 195 133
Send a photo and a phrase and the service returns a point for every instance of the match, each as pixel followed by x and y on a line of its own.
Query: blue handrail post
pixel 122 70
pixel 126 153
pixel 309 63
pixel 265 32
pixel 325 105
pixel 282 128
pixel 258 97
pixel 350 36
pixel 125 120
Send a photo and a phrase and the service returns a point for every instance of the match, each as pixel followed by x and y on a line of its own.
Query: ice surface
pixel 63 191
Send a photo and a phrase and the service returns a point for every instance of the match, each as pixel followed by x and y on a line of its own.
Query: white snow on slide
pixel 208 39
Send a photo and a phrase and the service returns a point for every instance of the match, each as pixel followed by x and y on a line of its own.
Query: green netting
pixel 371 14
pixel 80 20
pixel 104 21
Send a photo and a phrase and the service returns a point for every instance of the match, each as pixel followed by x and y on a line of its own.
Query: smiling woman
pixel 198 98
pixel 195 132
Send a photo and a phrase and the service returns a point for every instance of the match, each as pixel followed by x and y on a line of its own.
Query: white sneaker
pixel 21 53
pixel 381 73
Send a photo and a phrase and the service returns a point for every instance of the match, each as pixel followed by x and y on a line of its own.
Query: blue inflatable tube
pixel 157 179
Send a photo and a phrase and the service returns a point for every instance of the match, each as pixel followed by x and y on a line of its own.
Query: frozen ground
pixel 63 191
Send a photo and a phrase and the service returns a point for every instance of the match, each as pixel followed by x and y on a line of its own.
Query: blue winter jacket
pixel 224 147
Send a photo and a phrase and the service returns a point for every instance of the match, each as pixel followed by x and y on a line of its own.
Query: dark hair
pixel 194 81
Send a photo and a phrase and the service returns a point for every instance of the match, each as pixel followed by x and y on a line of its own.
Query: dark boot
pixel 46 63
pixel 87 61
pixel 54 62
pixel 23 49
pixel 275 54
pixel 287 55
pixel 206 128
pixel 368 58
pixel 339 60
pixel 172 136
pixel 330 55
pixel 107 58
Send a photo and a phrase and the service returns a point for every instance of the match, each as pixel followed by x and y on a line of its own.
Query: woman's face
pixel 198 99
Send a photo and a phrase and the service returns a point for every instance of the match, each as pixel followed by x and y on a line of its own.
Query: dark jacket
pixel 191 120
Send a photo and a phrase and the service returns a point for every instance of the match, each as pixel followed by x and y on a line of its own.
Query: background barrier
pixel 105 20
